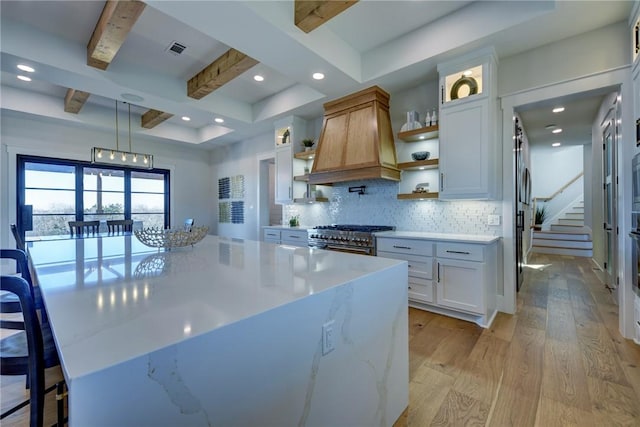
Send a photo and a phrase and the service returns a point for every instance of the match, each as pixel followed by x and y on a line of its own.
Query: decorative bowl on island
pixel 420 155
pixel 161 238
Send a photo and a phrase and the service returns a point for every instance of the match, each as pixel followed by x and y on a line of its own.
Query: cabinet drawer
pixel 464 251
pixel 420 290
pixel 271 234
pixel 419 266
pixel 405 246
pixel 297 235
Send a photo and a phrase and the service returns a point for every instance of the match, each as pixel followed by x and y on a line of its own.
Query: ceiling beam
pixel 224 69
pixel 310 14
pixel 153 118
pixel 74 100
pixel 115 23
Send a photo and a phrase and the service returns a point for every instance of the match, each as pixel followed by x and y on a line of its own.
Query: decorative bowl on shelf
pixel 420 155
pixel 160 238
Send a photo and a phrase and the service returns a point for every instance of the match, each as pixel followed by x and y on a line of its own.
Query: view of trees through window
pixel 63 191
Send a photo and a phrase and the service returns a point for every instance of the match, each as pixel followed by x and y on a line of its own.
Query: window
pixel 61 191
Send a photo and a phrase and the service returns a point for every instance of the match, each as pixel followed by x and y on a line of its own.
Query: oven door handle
pixel 349 249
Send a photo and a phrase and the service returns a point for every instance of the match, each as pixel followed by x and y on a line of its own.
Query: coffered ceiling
pixel 395 44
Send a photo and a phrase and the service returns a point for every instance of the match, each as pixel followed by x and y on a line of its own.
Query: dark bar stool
pixel 119 225
pixel 82 228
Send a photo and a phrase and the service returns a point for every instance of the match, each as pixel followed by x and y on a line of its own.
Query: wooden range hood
pixel 356 141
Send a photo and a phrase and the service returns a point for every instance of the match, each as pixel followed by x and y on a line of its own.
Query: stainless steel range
pixel 350 238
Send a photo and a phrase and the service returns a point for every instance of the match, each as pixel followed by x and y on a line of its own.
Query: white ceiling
pixel 395 44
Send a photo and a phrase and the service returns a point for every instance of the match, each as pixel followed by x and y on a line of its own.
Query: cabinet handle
pixel 409 265
pixel 293 237
pixel 442 94
pixel 409 287
pixel 459 252
pixel 401 247
pixel 438 266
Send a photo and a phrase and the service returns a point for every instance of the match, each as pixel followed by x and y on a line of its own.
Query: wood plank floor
pixel 559 361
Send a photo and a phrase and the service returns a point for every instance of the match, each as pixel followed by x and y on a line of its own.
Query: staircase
pixel 568 236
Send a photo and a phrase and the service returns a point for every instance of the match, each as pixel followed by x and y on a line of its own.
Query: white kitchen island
pixel 227 333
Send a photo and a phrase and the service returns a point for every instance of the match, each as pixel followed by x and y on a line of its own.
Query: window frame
pixel 79 166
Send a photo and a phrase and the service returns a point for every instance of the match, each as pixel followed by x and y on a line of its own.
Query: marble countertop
pixel 111 299
pixel 445 237
pixel 286 227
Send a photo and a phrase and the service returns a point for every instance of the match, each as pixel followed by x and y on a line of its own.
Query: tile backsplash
pixel 379 205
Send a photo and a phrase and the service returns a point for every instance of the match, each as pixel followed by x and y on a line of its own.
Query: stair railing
pixel 552 211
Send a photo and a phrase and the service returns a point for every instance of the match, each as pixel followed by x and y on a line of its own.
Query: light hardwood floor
pixel 559 361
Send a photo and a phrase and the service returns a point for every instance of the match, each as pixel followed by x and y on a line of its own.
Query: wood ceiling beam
pixel 115 23
pixel 310 14
pixel 224 69
pixel 74 100
pixel 153 118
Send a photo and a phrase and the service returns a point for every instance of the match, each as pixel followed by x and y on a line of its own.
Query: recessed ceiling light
pixel 219 120
pixel 557 130
pixel 26 68
pixel 186 118
pixel 558 110
pixel 556 144
pixel 24 78
pixel 258 78
pixel 318 76
pixel 468 73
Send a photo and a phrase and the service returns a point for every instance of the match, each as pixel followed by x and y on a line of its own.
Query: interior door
pixel 609 187
pixel 520 199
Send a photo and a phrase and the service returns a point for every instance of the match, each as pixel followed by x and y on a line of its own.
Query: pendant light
pixel 109 156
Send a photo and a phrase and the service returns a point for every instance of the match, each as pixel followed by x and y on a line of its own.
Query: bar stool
pixel 81 228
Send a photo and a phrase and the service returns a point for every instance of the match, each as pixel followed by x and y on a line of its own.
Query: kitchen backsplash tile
pixel 380 206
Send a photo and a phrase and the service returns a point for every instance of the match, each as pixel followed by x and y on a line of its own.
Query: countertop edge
pixel 444 237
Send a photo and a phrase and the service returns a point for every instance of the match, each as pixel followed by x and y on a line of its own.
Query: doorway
pixel 604 83
pixel 610 195
pixel 269 212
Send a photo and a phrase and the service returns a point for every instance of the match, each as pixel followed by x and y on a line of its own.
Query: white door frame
pixel 618 77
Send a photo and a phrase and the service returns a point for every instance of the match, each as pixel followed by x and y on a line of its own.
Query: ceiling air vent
pixel 176 48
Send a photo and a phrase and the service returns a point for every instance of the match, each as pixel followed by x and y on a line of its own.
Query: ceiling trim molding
pixel 227 67
pixel 115 23
pixel 153 118
pixel 74 100
pixel 309 15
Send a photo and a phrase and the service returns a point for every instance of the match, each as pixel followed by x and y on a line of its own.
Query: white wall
pixel 190 170
pixel 242 158
pixel 566 162
pixel 584 54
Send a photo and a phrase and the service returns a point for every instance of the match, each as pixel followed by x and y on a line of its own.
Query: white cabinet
pixel 458 279
pixel 470 159
pixel 461 277
pixel 294 238
pixel 286 236
pixel 419 255
pixel 271 235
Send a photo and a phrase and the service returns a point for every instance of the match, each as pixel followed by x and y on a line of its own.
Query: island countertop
pixel 103 294
pixel 227 332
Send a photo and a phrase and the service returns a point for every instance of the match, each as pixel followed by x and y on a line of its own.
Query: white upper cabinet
pixel 470 158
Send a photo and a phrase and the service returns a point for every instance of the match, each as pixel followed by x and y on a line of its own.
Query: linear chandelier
pixel 109 156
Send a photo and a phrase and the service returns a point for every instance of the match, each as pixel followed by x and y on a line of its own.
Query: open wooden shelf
pixel 417 196
pixel 301 178
pixel 305 155
pixel 421 134
pixel 419 165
